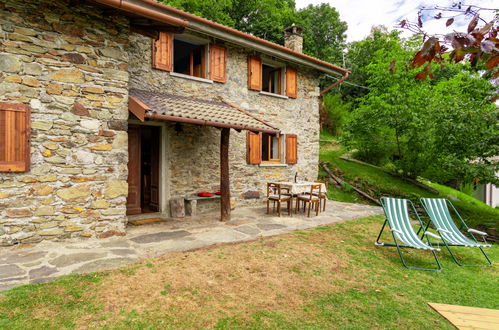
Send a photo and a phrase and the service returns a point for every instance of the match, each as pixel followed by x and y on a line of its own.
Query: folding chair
pixel 438 211
pixel 397 217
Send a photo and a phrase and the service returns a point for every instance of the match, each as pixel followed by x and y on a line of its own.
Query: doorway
pixel 143 169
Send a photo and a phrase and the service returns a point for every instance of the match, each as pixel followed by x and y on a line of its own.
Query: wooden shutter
pixel 291 83
pixel 15 131
pixel 253 148
pixel 162 52
pixel 254 73
pixel 291 149
pixel 218 63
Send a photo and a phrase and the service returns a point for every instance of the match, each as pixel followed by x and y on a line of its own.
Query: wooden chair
pixel 323 196
pixel 277 194
pixel 312 198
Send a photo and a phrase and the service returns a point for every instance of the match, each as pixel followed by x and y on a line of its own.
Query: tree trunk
pixel 224 175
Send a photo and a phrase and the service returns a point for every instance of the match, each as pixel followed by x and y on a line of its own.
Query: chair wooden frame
pixel 312 197
pixel 323 196
pixel 278 194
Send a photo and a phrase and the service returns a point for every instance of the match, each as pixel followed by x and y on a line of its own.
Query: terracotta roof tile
pixel 212 112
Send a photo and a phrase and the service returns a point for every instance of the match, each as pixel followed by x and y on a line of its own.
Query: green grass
pixel 359 286
pixel 379 183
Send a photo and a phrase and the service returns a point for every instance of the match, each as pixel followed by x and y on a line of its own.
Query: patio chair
pixel 438 211
pixel 277 194
pixel 312 198
pixel 323 195
pixel 397 217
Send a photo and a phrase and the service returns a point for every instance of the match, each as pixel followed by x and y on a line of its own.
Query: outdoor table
pixel 300 187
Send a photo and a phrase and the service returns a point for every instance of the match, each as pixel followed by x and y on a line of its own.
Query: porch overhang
pixel 162 106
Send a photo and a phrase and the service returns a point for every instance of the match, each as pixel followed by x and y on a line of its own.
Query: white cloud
pixel 361 15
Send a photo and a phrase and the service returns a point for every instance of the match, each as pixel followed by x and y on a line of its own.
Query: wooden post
pixel 224 175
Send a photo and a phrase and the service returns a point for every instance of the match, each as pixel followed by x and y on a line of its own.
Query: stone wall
pixel 193 153
pixel 69 63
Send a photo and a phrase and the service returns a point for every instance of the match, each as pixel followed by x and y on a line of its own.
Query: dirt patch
pixel 273 274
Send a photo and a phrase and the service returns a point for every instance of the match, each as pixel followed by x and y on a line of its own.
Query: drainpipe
pixel 148 13
pixel 336 83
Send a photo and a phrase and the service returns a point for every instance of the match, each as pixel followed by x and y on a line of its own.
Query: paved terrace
pixel 48 260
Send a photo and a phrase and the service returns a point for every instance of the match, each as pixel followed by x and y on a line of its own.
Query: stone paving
pixel 48 260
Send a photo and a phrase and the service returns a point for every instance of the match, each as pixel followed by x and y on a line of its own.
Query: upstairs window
pixel 189 58
pixel 271 79
pixel 274 79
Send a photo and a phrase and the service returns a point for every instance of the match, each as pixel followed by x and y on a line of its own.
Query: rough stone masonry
pixel 69 63
pixel 73 65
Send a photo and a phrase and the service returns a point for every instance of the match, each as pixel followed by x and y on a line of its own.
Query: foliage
pixel 479 44
pixel 337 113
pixel 380 182
pixel 443 128
pixel 324 32
pixel 359 56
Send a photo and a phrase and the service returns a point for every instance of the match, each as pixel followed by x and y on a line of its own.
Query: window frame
pixel 280 149
pixel 204 44
pixel 278 67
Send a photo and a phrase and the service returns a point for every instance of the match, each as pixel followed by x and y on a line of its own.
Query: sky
pixel 361 15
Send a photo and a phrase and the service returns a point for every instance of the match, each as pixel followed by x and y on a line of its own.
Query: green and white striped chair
pixel 397 217
pixel 440 216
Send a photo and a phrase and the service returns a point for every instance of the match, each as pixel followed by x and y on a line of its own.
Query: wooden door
pixel 134 160
pixel 155 152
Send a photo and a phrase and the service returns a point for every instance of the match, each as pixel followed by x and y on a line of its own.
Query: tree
pixel 359 56
pixel 324 32
pixel 479 44
pixel 441 129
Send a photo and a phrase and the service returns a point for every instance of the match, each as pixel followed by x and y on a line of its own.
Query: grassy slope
pixel 380 183
pixel 327 277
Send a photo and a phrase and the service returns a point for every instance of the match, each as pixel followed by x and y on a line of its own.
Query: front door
pixel 143 169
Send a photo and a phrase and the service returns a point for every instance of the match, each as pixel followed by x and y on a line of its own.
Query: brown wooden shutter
pixel 218 63
pixel 253 148
pixel 162 52
pixel 291 83
pixel 291 149
pixel 254 73
pixel 15 131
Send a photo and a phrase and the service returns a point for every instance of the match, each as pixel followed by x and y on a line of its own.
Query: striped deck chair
pixel 397 217
pixel 440 216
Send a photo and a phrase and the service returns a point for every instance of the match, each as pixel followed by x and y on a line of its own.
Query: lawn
pixel 327 277
pixel 379 183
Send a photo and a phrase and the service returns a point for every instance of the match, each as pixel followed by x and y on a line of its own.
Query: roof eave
pixel 202 25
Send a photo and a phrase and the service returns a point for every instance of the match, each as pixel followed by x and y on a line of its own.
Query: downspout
pixel 336 83
pixel 148 13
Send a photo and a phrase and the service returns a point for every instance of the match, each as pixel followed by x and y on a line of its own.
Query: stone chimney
pixel 293 38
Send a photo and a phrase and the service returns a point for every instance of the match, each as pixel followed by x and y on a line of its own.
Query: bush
pixel 337 112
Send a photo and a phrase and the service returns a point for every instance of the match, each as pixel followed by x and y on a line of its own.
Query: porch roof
pixel 162 106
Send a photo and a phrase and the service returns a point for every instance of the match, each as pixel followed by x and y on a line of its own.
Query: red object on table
pixel 205 194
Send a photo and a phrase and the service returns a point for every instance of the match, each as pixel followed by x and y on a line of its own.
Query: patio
pixel 49 260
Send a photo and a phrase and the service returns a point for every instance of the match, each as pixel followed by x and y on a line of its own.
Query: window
pixel 189 58
pixel 266 77
pixel 15 129
pixel 271 79
pixel 271 148
pixel 188 55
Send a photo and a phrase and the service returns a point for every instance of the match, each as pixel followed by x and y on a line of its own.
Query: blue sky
pixel 361 15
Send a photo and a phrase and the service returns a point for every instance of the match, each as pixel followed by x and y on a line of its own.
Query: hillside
pixel 379 183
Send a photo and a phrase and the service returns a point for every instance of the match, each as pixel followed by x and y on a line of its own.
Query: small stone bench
pixel 191 203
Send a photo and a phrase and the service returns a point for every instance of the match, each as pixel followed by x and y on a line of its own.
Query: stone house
pixel 115 107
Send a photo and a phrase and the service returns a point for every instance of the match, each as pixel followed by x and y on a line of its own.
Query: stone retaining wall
pixel 69 63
